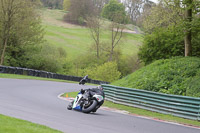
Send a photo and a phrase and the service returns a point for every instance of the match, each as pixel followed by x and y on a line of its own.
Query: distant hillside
pixel 180 76
pixel 76 40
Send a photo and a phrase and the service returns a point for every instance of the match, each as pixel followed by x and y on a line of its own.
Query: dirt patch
pixel 128 31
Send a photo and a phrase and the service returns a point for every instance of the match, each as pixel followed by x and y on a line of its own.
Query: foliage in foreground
pixel 13 125
pixel 179 76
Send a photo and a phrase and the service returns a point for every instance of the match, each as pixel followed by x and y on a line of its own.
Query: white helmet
pixel 100 87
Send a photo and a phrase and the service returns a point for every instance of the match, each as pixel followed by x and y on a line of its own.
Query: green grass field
pixel 13 125
pixel 76 40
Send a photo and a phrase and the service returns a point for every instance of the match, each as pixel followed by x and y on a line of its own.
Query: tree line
pixel 19 28
pixel 53 4
pixel 172 29
pixel 80 9
pixel 21 37
pixel 22 43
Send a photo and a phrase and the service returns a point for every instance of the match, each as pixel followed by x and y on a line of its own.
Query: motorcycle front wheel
pixel 92 106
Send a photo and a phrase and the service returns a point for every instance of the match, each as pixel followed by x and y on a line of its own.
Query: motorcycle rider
pixel 90 92
pixel 84 80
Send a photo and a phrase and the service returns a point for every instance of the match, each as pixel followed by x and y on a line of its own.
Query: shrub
pixel 161 44
pixel 45 57
pixel 193 87
pixel 105 72
pixel 165 43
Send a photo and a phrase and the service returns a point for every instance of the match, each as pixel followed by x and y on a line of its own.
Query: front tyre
pixel 88 109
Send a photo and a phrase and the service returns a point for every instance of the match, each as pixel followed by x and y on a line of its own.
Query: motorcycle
pixel 86 103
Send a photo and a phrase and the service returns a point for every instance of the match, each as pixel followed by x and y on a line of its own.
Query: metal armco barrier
pixel 44 74
pixel 181 106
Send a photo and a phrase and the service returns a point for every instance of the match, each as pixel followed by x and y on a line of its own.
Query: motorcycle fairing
pixel 76 104
pixel 98 97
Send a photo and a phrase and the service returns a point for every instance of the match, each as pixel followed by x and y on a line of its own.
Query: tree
pixel 99 4
pixel 94 25
pixel 79 11
pixel 116 35
pixel 115 12
pixel 188 35
pixel 66 4
pixel 9 9
pixel 162 16
pixel 53 3
pixel 19 26
pixel 182 20
pixel 136 8
pixel 6 25
pixel 114 9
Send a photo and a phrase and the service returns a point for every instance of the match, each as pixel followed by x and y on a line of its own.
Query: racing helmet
pixel 100 87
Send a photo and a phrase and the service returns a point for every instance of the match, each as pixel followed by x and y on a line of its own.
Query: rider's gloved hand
pixel 82 91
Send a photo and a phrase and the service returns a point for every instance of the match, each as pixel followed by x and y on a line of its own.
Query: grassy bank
pixel 13 125
pixel 143 112
pixel 179 76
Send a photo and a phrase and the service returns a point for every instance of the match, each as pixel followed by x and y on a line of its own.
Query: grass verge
pixel 176 76
pixel 143 112
pixel 15 76
pixel 13 125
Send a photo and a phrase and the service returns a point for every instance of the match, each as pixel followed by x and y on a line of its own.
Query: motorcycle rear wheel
pixel 90 108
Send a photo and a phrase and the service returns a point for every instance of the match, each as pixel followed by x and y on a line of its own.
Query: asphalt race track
pixel 38 102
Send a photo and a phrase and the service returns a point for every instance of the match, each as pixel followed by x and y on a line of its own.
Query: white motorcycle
pixel 87 104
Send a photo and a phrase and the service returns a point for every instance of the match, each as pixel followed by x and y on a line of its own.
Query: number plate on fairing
pixel 98 97
pixel 76 104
